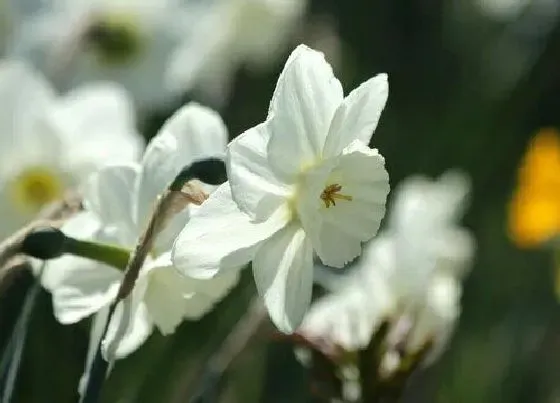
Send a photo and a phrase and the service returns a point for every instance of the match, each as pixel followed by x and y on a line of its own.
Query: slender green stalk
pixel 104 253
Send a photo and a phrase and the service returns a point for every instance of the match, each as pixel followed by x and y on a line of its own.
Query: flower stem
pixel 109 254
pixel 48 243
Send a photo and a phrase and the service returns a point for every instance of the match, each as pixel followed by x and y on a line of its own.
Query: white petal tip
pixel 286 322
pixel 285 326
pixel 303 50
pixel 382 77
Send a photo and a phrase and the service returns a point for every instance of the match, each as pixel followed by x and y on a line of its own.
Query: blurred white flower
pixel 510 10
pixel 127 41
pixel 156 48
pixel 409 275
pixel 49 142
pixel 231 33
pixel 436 317
pixel 119 201
pixel 347 317
pixel 502 9
pixel 424 232
pixel 302 181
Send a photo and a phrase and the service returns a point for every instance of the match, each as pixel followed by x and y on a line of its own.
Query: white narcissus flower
pixel 347 317
pixel 303 181
pixel 126 41
pixel 408 275
pixel 229 34
pixel 118 201
pixel 423 227
pixel 436 317
pixel 49 142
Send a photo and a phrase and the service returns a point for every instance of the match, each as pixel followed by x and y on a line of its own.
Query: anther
pixel 331 194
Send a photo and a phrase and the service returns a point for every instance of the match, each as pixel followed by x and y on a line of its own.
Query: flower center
pixel 331 194
pixel 115 38
pixel 35 187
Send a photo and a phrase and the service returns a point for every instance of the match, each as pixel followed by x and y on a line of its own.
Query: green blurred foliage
pixel 447 108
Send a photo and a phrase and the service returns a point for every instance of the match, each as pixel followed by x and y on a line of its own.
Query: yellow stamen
pixel 534 213
pixel 331 194
pixel 34 188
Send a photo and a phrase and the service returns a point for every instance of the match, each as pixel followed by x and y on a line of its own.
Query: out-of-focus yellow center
pixel 534 214
pixel 34 188
pixel 331 194
pixel 115 38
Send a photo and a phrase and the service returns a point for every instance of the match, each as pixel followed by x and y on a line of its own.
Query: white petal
pixel 214 288
pixel 219 286
pixel 79 287
pixel 103 105
pixel 130 326
pixel 203 55
pixel 438 317
pixel 337 231
pixel 167 297
pixel 172 297
pixel 420 201
pixel 25 136
pixel 220 236
pixel 283 270
pixel 454 248
pixel 200 132
pixel 306 97
pixel 378 259
pixel 357 116
pixel 410 202
pixel 109 193
pixel 82 289
pixel 422 207
pixel 98 125
pixel 348 318
pixel 453 188
pixel 254 187
pixel 193 132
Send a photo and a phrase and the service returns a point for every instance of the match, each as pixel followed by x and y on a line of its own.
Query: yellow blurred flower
pixel 534 214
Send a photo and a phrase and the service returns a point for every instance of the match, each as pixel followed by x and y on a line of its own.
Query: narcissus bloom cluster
pixel 157 49
pixel 119 200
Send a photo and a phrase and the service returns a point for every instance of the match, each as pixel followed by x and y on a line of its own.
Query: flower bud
pixel 44 243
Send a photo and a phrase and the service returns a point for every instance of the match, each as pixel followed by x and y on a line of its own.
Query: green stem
pixel 111 255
